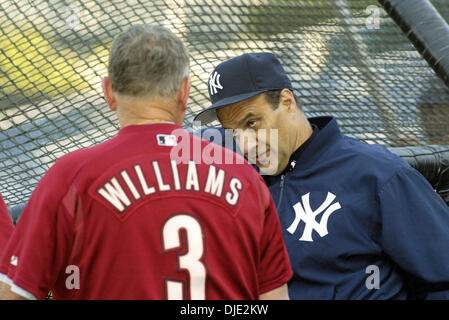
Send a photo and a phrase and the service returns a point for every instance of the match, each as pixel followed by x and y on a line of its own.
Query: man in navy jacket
pixel 358 221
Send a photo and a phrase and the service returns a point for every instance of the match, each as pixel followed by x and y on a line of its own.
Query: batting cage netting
pixel 345 57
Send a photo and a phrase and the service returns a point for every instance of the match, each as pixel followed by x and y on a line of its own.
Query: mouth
pixel 259 159
pixel 263 159
pixel 261 156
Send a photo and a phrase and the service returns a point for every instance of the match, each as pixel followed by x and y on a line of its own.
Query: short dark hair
pixel 272 97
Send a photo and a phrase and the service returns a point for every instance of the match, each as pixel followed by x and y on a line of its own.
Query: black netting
pixel 53 55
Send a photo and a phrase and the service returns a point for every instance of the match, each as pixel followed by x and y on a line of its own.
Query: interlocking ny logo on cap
pixel 214 83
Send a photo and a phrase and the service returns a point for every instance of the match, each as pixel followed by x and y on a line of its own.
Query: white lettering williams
pixel 233 196
pixel 130 184
pixel 160 182
pixel 174 169
pixel 143 182
pixel 192 177
pixel 115 195
pixel 214 184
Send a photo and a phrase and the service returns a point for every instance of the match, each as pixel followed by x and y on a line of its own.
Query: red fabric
pixel 6 225
pixel 131 245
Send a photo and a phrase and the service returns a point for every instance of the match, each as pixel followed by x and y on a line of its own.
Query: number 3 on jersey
pixel 190 260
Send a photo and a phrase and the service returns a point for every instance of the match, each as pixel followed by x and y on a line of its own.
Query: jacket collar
pixel 328 134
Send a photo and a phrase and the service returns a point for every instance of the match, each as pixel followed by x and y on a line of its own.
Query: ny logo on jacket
pixel 303 212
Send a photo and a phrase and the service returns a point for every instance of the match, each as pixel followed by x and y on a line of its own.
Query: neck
pixel 141 121
pixel 139 112
pixel 304 131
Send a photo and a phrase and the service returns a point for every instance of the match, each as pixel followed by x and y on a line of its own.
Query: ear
pixel 183 94
pixel 108 94
pixel 287 100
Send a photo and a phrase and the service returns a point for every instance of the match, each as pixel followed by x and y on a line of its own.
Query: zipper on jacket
pixel 281 192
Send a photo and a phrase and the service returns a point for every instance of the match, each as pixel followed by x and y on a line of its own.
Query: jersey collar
pixel 162 127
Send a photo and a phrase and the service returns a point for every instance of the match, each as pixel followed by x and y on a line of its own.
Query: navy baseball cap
pixel 241 78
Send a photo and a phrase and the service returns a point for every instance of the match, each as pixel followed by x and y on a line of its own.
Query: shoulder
pixel 373 158
pixel 73 160
pixel 65 169
pixel 3 209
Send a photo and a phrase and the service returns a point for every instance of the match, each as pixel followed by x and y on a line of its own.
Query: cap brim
pixel 209 115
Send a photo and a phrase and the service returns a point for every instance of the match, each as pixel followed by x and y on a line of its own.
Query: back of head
pixel 147 61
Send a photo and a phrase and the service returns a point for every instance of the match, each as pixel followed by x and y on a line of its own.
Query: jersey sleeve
pixel 275 269
pixel 415 228
pixel 39 245
pixel 6 225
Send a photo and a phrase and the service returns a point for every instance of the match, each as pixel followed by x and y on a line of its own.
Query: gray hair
pixel 147 61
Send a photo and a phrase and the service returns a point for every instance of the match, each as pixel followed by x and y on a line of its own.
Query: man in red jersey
pixel 130 219
pixel 6 226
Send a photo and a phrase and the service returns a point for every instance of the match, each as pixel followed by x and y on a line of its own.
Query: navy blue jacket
pixel 348 210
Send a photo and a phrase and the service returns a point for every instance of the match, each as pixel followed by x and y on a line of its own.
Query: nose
pixel 247 142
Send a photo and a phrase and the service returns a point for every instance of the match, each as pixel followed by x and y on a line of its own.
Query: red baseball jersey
pixel 6 226
pixel 149 214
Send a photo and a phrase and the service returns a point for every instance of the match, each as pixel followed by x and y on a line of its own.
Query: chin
pixel 269 170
